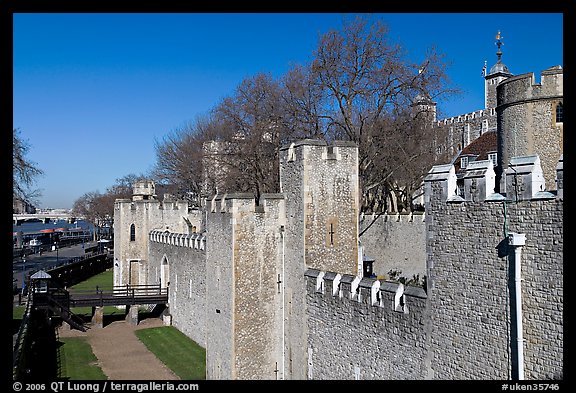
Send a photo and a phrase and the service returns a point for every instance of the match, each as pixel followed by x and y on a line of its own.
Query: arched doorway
pixel 164 272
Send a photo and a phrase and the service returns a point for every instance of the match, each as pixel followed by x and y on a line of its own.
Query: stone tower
pixel 243 287
pixel 530 121
pixel 133 220
pixel 320 184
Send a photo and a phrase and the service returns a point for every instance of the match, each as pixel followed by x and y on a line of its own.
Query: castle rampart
pixel 181 268
pixel 471 284
pixel 364 328
pixel 276 290
pixel 463 325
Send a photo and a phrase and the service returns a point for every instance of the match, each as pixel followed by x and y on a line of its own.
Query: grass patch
pixel 179 353
pixel 18 312
pixel 103 280
pixel 77 361
pixel 87 311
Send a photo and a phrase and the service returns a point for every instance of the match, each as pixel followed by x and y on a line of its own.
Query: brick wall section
pixel 244 306
pixel 257 303
pixel 292 177
pixel 351 339
pixel 469 296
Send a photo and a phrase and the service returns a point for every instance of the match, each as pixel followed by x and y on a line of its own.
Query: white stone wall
pixel 185 266
pixel 131 257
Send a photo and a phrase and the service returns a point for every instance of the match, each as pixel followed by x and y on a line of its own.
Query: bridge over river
pixel 18 219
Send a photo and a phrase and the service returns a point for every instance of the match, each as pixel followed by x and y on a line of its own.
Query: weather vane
pixel 499 43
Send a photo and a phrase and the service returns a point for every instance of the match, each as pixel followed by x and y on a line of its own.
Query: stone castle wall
pixel 279 291
pixel 364 329
pixel 320 184
pixel 463 326
pixel 180 260
pixel 396 242
pixel 470 296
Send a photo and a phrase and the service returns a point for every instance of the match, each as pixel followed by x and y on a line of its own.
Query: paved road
pixel 48 260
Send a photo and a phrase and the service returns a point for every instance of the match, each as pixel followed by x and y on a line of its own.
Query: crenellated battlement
pixel 228 203
pixel 388 295
pixel 295 151
pixel 414 216
pixel 196 241
pixel 465 118
pixel 523 88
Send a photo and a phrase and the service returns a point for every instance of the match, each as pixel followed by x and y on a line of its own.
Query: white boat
pixel 35 242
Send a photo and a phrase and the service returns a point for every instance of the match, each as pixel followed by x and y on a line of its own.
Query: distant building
pixel 20 206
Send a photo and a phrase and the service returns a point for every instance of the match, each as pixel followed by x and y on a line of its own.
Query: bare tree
pixel 250 126
pixel 24 171
pixel 179 159
pixel 369 88
pixel 98 208
pixel 358 87
pixel 303 102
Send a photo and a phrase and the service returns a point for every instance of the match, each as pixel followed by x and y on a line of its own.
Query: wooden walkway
pixel 119 295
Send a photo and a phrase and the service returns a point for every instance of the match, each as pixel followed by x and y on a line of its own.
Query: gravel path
pixel 121 355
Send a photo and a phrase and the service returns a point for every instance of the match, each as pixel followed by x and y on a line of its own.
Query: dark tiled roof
pixel 480 147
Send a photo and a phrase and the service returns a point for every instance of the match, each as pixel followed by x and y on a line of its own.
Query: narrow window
pixel 463 162
pixel 559 113
pixel 460 187
pixel 132 233
pixel 493 157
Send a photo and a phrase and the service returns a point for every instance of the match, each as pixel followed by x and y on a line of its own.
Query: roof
pixel 40 274
pixel 499 68
pixel 479 148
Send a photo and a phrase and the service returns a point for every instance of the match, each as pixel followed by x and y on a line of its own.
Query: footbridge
pixel 59 301
pixel 18 219
pixel 119 296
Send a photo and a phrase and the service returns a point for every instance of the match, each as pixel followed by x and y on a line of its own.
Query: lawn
pixel 77 362
pixel 103 280
pixel 179 353
pixel 18 312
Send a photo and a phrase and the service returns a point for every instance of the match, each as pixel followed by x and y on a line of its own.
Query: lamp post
pixel 23 273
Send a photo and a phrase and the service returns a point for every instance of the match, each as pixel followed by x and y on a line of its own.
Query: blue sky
pixel 92 91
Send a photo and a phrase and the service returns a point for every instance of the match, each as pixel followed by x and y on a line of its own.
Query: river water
pixel 35 227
